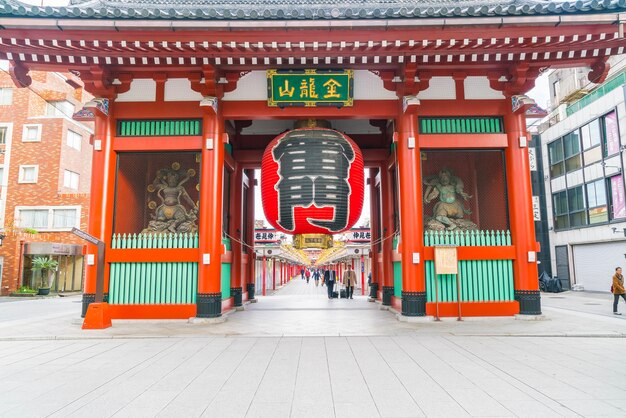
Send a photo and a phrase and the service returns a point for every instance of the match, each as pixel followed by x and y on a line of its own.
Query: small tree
pixel 47 266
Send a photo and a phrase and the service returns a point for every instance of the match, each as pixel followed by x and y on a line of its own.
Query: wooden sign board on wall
pixel 446 260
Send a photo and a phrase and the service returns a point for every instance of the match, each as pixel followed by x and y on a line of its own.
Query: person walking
pixel 329 279
pixel 349 280
pixel 308 275
pixel 316 277
pixel 618 289
pixel 302 273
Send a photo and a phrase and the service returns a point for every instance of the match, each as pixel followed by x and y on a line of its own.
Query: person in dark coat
pixel 618 289
pixel 329 279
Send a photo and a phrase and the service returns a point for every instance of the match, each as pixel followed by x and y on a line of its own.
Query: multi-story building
pixel 45 163
pixel 583 164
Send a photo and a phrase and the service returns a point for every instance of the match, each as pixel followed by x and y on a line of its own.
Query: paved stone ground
pixel 296 353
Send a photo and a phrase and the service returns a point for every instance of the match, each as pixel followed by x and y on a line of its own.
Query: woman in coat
pixel 618 289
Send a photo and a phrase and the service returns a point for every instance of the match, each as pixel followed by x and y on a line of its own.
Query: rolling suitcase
pixel 343 294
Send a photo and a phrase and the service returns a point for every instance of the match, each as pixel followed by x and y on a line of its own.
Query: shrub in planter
pixel 46 266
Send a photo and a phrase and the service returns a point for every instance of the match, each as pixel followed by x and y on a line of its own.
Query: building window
pixel 31 133
pixel 557 163
pixel 52 218
pixel 569 208
pixel 6 96
pixel 74 140
pixel 2 175
pixel 3 135
pixel 559 203
pixel 28 174
pixel 33 218
pixel 599 139
pixel 59 109
pixel 571 148
pixel 576 207
pixel 64 218
pixel 596 199
pixel 71 179
pixel 591 136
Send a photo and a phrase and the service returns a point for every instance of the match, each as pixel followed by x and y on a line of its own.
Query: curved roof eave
pixel 306 10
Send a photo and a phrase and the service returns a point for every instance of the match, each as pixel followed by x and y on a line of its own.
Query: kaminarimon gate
pixel 190 93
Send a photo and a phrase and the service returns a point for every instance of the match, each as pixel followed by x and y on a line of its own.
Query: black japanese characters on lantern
pixel 312 181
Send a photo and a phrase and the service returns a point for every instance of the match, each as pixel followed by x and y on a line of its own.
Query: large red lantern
pixel 312 182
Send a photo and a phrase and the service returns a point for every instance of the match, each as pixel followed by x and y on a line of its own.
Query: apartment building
pixel 584 155
pixel 45 169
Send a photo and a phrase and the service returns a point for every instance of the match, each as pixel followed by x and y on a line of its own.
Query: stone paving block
pixel 250 365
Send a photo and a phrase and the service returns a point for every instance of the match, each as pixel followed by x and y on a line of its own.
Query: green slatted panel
pixel 462 125
pixel 397 279
pixel 158 127
pixel 178 240
pixel 481 280
pixel 153 283
pixel 225 280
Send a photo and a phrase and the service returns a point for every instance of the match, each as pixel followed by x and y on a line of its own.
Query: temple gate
pixel 183 115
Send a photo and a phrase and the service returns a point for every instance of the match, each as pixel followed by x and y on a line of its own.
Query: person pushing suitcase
pixel 329 279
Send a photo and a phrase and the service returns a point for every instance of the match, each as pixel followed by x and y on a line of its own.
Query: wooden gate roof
pixel 403 40
pixel 306 9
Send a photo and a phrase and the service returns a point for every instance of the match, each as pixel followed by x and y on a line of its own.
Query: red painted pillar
pixel 519 192
pixel 209 300
pixel 362 275
pixel 236 210
pixel 374 221
pixel 411 217
pixel 274 274
pixel 264 273
pixel 100 223
pixel 386 200
pixel 250 274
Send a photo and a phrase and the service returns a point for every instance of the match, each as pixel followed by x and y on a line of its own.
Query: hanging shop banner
pixel 266 236
pixel 312 182
pixel 612 133
pixel 617 194
pixel 359 235
pixel 310 88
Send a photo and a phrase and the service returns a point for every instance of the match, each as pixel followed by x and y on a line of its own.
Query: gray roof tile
pixel 304 9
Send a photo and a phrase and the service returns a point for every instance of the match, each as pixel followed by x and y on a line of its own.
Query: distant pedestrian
pixel 618 289
pixel 307 275
pixel 329 279
pixel 349 280
pixel 316 277
pixel 302 273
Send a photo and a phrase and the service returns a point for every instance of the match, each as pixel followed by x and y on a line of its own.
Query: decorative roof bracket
pixel 520 79
pixel 414 81
pixel 599 71
pixel 100 82
pixel 206 83
pixel 19 74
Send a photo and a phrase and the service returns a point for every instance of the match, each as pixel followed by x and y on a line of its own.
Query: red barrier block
pixel 97 317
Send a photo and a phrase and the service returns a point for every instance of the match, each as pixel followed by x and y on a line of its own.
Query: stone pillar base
pixel 374 290
pixel 209 305
pixel 88 299
pixel 529 302
pixel 387 294
pixel 250 289
pixel 217 320
pixel 414 303
pixel 236 293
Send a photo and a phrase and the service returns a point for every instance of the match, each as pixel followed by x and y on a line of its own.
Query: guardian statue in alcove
pixel 449 211
pixel 171 216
